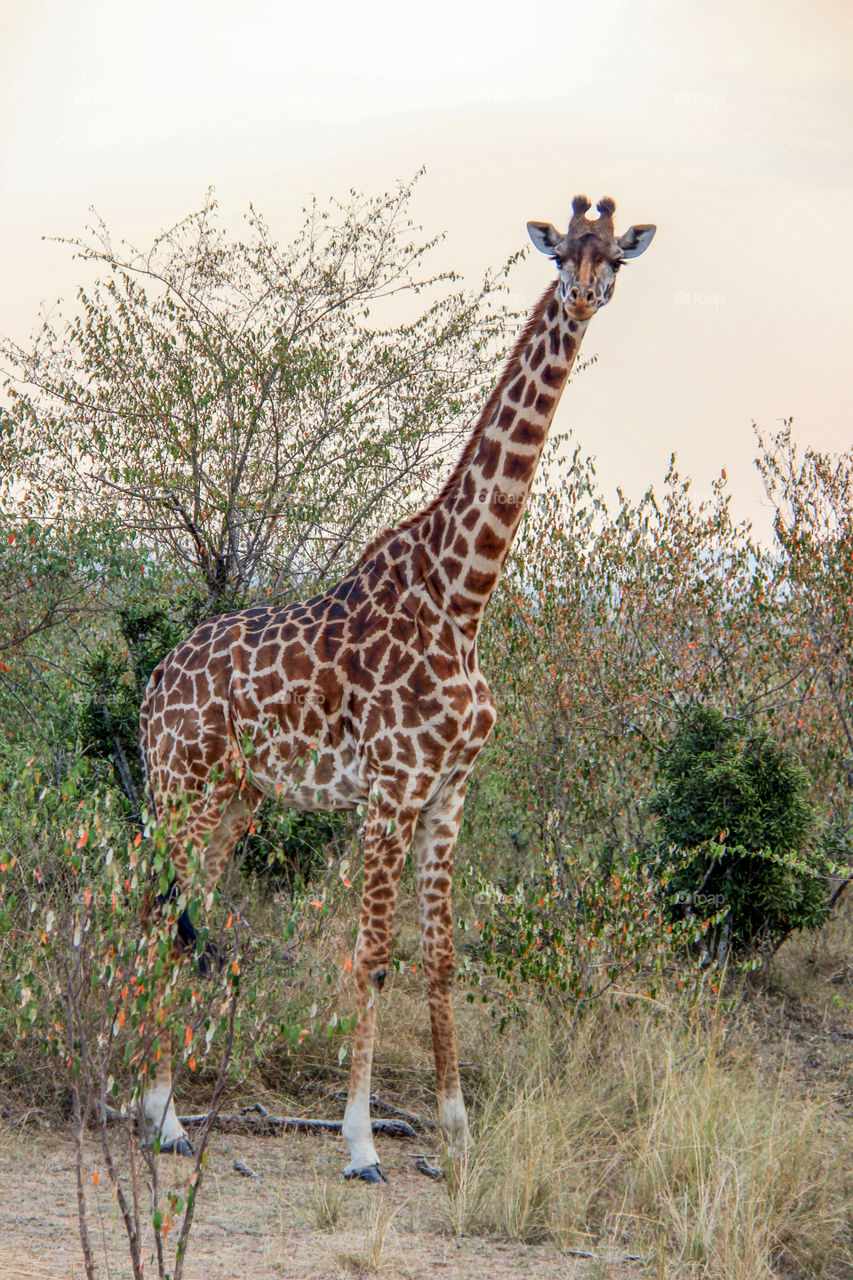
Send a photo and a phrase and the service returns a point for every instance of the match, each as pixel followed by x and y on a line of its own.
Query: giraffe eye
pixel 614 266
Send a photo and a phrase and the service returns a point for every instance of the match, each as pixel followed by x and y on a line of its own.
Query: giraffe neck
pixel 458 544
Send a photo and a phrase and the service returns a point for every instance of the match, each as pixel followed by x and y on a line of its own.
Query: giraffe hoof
pixel 180 1146
pixel 373 1173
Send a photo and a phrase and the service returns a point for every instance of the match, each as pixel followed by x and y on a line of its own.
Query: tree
pixel 812 495
pixel 52 575
pixel 47 572
pixel 237 405
pixel 608 626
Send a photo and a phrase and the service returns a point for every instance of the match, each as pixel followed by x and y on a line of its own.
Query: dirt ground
pixel 264 1227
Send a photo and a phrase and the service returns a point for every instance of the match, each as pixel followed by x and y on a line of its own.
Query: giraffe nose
pixel 577 295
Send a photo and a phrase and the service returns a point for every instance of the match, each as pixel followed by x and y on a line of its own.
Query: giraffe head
pixel 589 254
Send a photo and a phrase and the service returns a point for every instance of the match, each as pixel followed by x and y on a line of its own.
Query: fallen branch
pixel 597 1257
pixel 256 1119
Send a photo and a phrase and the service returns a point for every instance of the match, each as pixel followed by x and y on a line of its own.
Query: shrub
pixel 77 990
pixel 288 847
pixel 570 933
pixel 735 836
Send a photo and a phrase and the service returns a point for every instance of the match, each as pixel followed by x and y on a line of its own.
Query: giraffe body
pixel 371 693
pixel 326 718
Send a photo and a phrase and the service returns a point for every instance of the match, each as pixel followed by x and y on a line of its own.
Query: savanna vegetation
pixel 657 842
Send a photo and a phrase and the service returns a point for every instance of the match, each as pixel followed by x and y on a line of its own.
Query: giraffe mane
pixel 453 481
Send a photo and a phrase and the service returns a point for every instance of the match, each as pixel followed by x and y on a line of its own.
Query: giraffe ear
pixel 544 236
pixel 636 240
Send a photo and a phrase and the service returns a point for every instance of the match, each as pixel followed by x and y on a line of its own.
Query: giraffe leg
pixel 215 823
pixel 159 1117
pixel 432 853
pixel 387 836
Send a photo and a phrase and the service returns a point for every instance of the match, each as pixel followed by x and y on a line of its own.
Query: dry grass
pixel 371 1258
pixel 327 1202
pixel 818 967
pixel 660 1139
pixel 512 1181
pixel 734 1171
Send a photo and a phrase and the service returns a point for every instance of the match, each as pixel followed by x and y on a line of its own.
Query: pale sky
pixel 727 124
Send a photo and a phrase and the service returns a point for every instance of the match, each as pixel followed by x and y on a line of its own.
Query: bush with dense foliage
pixel 735 835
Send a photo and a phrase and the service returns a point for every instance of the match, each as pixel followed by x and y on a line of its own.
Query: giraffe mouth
pixel 582 310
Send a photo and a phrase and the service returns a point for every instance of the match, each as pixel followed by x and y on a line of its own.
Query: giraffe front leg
pixel 387 836
pixel 432 852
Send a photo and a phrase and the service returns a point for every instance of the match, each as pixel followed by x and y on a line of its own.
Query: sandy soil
pixel 264 1227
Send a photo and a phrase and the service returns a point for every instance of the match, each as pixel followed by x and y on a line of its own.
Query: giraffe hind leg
pixel 216 824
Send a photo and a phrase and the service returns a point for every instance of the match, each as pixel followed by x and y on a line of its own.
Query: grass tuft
pixel 642 1137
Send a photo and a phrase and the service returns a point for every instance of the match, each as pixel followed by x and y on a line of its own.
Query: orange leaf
pixel 96 1178
pixel 189 1035
pixel 348 964
pixel 137 839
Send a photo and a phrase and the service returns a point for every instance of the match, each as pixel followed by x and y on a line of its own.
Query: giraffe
pixel 370 694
